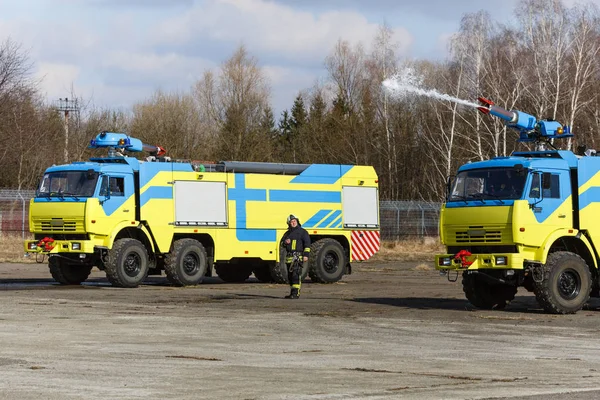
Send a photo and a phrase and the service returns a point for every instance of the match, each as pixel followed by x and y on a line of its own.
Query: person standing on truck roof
pixel 297 244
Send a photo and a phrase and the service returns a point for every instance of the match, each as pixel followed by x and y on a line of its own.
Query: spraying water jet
pixel 408 81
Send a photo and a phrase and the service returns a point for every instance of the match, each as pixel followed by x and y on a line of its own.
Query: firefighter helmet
pixel 291 217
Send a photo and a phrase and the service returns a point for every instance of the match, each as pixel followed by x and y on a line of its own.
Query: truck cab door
pixel 550 199
pixel 116 196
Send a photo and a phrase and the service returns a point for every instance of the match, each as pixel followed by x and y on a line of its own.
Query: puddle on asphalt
pixel 21 284
pixel 33 284
pixel 12 284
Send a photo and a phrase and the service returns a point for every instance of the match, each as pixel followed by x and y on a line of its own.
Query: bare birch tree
pixel 346 68
pixel 545 28
pixel 171 121
pixel 232 104
pixel 383 64
pixel 469 49
pixel 442 128
pixel 582 58
pixel 15 69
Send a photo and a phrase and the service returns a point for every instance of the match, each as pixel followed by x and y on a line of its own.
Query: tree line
pixel 544 63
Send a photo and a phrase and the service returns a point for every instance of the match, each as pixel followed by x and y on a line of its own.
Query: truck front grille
pixel 479 236
pixel 58 225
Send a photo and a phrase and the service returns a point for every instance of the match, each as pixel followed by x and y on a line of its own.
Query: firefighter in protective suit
pixel 297 244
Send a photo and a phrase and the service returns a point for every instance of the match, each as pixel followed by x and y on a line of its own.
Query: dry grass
pixel 423 267
pixel 12 250
pixel 421 249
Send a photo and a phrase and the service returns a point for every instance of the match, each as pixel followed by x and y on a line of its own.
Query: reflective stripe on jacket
pixel 299 240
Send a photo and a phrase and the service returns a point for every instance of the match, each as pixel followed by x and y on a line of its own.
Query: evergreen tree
pixel 299 136
pixel 269 132
pixel 299 114
pixel 285 138
pixel 318 109
pixel 317 129
pixel 267 123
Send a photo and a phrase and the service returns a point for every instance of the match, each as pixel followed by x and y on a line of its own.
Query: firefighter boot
pixel 293 294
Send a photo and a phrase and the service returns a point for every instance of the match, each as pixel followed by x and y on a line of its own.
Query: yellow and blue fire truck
pixel 133 217
pixel 529 220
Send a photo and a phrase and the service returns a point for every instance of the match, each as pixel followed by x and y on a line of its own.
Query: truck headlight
pixel 444 261
pixel 32 245
pixel 501 260
pixel 76 246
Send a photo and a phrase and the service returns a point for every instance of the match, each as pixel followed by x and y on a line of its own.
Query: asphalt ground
pixel 390 330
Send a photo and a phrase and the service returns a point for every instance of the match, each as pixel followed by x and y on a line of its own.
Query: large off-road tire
pixel 566 283
pixel 327 261
pixel 127 264
pixel 279 270
pixel 187 262
pixel 485 295
pixel 233 273
pixel 262 272
pixel 67 274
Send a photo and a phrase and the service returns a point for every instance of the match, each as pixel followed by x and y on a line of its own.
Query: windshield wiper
pixel 481 196
pixel 51 194
pixel 70 194
pixel 457 197
pixel 494 196
pixel 477 196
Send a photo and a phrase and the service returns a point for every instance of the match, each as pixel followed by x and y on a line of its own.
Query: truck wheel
pixel 68 274
pixel 186 264
pixel 327 261
pixel 127 264
pixel 233 273
pixel 279 270
pixel 566 284
pixel 263 273
pixel 485 295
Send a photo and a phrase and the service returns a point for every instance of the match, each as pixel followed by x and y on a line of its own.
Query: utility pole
pixel 67 106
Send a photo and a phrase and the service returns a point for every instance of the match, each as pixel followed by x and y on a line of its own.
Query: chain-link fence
pixel 398 218
pixel 14 211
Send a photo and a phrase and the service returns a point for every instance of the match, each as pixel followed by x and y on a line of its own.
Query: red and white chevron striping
pixel 364 244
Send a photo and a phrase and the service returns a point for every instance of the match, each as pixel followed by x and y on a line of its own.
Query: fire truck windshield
pixel 68 183
pixel 488 184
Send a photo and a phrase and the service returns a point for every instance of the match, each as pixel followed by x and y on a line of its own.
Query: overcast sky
pixel 118 52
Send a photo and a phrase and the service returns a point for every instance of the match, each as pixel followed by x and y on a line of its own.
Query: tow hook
pixel 452 279
pixel 537 272
pixel 45 244
pixel 461 257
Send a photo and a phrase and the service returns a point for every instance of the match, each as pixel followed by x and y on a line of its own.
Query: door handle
pixel 562 216
pixel 125 210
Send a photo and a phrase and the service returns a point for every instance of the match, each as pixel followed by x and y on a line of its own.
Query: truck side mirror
pixel 449 185
pixel 104 189
pixel 536 190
